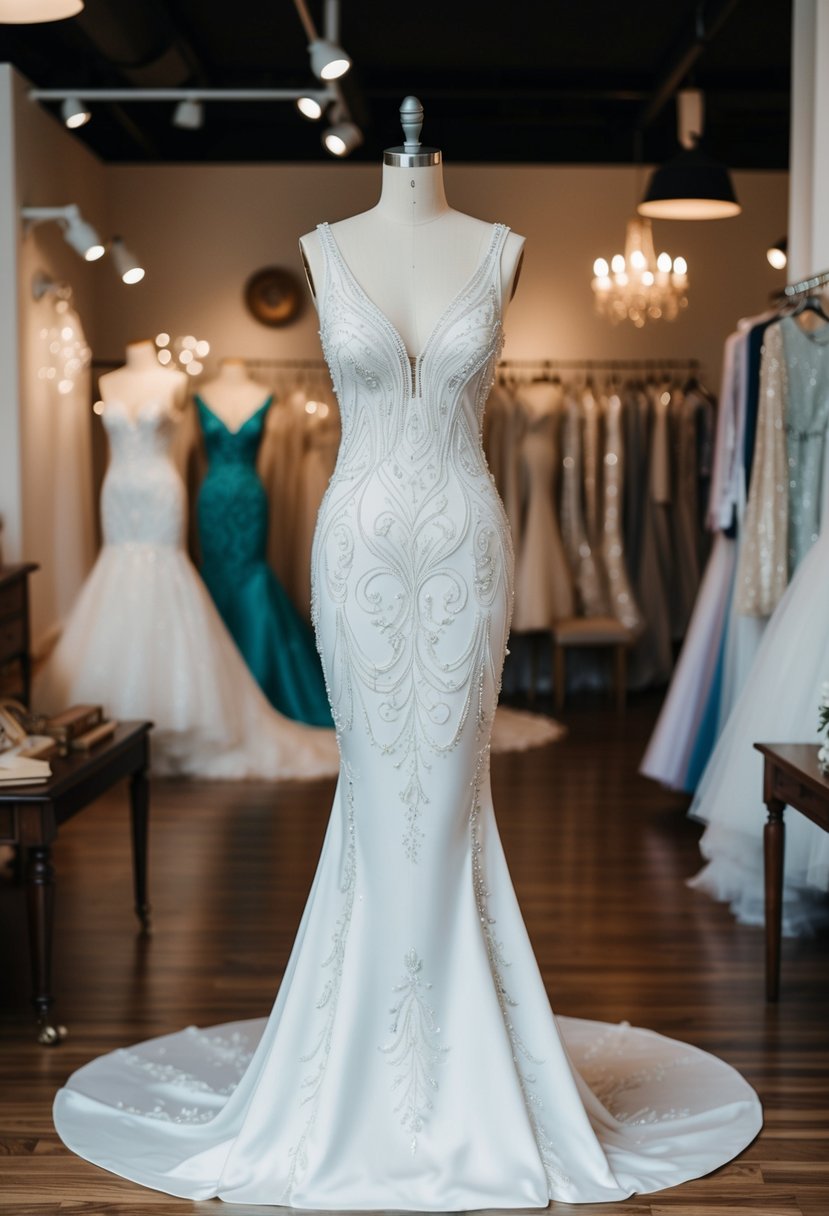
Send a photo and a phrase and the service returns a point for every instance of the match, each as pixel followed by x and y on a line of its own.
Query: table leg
pixel 140 812
pixel 559 676
pixel 774 841
pixel 40 879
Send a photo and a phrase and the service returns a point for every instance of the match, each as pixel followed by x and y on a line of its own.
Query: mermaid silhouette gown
pixel 232 512
pixel 411 1060
pixel 144 638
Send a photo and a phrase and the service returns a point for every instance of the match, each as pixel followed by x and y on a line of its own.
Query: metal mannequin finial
pixel 412 154
pixel 411 118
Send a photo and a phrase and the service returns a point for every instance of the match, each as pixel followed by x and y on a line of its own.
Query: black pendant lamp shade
pixel 691 186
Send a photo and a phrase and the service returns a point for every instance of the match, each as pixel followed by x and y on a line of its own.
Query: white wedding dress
pixel 411 1060
pixel 144 638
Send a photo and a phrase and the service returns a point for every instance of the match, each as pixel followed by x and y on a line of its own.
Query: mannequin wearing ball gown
pixel 411 1060
pixel 144 638
pixel 232 508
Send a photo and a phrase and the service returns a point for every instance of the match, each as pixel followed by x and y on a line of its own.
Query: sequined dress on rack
pixel 411 1060
pixel 787 538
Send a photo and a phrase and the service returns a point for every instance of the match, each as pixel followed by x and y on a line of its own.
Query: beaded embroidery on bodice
pixel 411 535
pixel 143 497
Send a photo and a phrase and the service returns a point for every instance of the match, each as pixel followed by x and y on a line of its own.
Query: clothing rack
pixel 804 286
pixel 603 364
pixel 506 364
pixel 318 365
pixel 586 365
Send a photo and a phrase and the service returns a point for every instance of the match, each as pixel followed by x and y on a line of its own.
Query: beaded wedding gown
pixel 411 1060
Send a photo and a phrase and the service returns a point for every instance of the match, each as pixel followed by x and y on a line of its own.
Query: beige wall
pixel 47 168
pixel 202 230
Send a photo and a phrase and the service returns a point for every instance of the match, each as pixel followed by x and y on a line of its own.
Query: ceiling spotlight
pixel 778 254
pixel 26 12
pixel 82 236
pixel 189 115
pixel 342 138
pixel 75 113
pixel 126 263
pixel 310 107
pixel 76 231
pixel 328 61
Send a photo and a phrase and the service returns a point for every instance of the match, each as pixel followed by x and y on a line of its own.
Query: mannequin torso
pixel 412 253
pixel 233 396
pixel 143 378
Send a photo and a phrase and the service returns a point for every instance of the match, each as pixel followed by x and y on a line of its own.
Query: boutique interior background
pixel 534 109
pixel 202 229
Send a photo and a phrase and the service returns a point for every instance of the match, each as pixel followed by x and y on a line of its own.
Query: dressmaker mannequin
pixel 143 378
pixel 234 395
pixel 412 253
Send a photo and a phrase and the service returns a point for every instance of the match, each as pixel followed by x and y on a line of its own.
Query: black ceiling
pixel 555 81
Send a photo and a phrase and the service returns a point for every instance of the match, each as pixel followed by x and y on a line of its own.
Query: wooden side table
pixel 14 626
pixel 30 816
pixel 791 777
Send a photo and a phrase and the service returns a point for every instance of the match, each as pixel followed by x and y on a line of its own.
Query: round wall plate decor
pixel 273 296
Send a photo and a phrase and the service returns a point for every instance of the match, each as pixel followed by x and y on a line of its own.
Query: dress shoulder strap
pixel 500 233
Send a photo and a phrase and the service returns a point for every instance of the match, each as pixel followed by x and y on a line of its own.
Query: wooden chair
pixel 593 633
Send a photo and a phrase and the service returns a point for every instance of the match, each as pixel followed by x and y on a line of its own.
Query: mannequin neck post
pixel 412 195
pixel 141 357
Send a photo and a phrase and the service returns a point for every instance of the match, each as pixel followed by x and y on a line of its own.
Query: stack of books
pixel 80 727
pixel 22 770
pixel 24 757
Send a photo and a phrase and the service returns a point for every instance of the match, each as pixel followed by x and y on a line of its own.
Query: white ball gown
pixel 411 1060
pixel 145 640
pixel 778 704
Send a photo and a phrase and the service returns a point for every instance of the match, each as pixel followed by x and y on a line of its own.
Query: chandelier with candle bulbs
pixel 637 285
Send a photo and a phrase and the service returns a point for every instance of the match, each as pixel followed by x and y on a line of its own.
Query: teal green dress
pixel 232 513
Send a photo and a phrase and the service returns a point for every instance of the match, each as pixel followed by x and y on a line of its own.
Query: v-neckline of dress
pixel 234 430
pixel 414 363
pixel 132 414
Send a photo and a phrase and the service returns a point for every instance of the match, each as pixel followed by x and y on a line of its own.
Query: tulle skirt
pixel 779 704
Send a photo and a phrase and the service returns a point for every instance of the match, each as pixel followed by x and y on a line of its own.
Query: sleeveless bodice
pixel 232 513
pixel 412 545
pixel 142 499
pixel 232 449
pixel 394 407
pixel 232 505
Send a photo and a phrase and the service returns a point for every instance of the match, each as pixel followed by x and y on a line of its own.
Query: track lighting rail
pixel 323 95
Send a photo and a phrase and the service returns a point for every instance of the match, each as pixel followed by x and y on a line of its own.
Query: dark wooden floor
pixel 598 856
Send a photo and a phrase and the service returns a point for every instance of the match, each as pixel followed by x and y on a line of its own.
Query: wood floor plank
pixel 599 857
